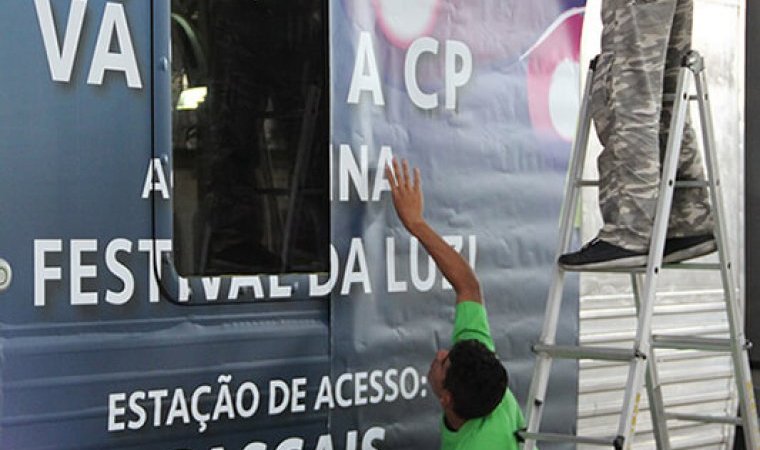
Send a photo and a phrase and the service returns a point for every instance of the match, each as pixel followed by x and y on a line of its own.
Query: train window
pixel 250 136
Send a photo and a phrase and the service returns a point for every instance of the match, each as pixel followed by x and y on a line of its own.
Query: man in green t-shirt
pixel 479 411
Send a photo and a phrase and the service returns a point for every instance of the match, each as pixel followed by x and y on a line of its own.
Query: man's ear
pixel 445 399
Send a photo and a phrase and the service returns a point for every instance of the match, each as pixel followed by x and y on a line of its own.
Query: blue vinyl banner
pixel 103 347
pixel 483 97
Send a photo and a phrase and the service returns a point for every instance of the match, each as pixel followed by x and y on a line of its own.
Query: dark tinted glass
pixel 250 136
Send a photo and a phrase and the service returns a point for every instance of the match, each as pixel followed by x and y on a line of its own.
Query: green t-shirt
pixel 495 431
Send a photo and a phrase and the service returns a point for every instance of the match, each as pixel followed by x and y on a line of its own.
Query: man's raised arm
pixel 409 204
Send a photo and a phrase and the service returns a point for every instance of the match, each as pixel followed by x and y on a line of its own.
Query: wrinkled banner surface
pixel 483 97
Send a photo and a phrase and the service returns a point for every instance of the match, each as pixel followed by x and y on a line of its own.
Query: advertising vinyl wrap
pixel 493 169
pixel 482 96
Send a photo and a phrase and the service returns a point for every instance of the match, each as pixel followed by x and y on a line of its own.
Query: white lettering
pixel 240 398
pixel 381 183
pixel 366 76
pixel 360 388
pixel 277 388
pixel 352 440
pixel 390 267
pixel 115 410
pixel 154 266
pixel 422 285
pixel 324 442
pixel 418 47
pixel 114 21
pixel 121 271
pixel 157 396
pixel 324 396
pixel 390 381
pixel 350 171
pixel 343 402
pixel 184 289
pixel 298 395
pixel 155 180
pixel 80 271
pixel 375 379
pixel 255 446
pixel 356 255
pixel 291 444
pixel 318 290
pixel 238 283
pixel 61 60
pixel 178 408
pixel 138 410
pixel 373 434
pixel 278 291
pixel 456 51
pixel 409 382
pixel 43 273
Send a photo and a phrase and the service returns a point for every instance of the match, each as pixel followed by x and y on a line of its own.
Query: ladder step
pixel 679 184
pixel 692 266
pixel 643 269
pixel 672 97
pixel 615 442
pixel 729 420
pixel 574 352
pixel 692 184
pixel 691 343
pixel 695 343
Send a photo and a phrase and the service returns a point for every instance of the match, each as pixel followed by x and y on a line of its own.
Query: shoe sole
pixel 620 263
pixel 696 251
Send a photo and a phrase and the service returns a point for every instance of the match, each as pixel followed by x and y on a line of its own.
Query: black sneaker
pixel 599 254
pixel 683 248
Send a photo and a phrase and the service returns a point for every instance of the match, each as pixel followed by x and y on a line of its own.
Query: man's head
pixel 468 379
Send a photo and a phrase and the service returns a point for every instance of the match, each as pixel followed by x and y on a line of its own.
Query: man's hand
pixel 407 195
pixel 407 198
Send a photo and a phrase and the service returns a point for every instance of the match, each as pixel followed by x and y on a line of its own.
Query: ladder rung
pixel 672 97
pixel 640 269
pixel 692 266
pixel 692 343
pixel 679 184
pixel 554 437
pixel 599 353
pixel 730 420
pixel 692 184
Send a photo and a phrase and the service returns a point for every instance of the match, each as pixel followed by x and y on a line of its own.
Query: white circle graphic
pixel 404 20
pixel 564 103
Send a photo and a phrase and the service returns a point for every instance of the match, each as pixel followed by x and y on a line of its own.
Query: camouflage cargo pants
pixel 643 42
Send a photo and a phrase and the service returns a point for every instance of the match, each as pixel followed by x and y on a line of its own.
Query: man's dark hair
pixel 476 379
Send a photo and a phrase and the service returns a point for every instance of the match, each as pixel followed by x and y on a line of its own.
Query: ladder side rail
pixel 654 388
pixel 567 214
pixel 539 382
pixel 637 367
pixel 742 373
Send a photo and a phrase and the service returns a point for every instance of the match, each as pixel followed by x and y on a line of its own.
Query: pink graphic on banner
pixel 554 77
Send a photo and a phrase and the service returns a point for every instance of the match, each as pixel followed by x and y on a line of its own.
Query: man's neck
pixel 452 421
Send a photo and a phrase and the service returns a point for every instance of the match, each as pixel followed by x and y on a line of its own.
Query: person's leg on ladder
pixel 629 79
pixel 690 227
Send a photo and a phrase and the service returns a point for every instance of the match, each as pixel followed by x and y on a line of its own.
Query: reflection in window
pixel 250 133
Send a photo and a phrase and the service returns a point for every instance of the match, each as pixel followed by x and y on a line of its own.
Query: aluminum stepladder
pixel 642 369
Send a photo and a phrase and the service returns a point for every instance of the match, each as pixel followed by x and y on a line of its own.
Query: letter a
pixel 369 81
pixel 114 20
